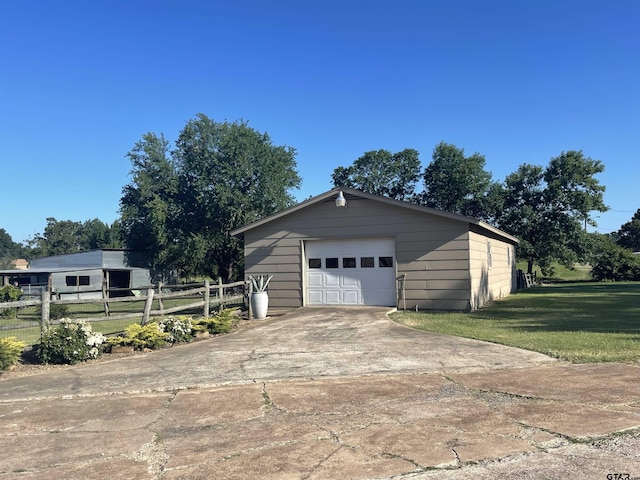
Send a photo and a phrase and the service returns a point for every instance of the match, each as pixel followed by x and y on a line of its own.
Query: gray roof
pixel 28 271
pixel 352 193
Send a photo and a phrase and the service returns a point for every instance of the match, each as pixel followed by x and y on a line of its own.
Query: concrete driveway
pixel 324 393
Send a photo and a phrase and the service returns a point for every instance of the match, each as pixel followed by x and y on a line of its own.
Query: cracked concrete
pixel 385 408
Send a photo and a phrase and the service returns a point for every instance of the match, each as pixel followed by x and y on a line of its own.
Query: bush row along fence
pixel 199 298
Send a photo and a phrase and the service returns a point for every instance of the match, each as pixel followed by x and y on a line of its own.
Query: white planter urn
pixel 259 305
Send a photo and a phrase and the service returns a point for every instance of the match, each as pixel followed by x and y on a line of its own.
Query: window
pixel 509 256
pixel 73 281
pixel 385 262
pixel 331 263
pixel 349 262
pixel 315 263
pixel 367 262
pixel 489 255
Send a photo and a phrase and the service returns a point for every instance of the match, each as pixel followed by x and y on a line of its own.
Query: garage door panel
pixel 332 297
pixel 331 280
pixel 350 297
pixel 348 281
pixel 315 279
pixel 316 297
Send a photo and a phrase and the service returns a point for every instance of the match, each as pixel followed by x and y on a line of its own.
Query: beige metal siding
pixel 432 251
pixel 489 282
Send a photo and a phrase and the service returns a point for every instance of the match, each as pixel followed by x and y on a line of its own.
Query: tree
pixel 96 234
pixel 181 208
pixel 546 208
pixel 9 250
pixel 455 183
pixel 148 206
pixel 229 175
pixel 572 187
pixel 66 236
pixel 522 212
pixel 381 172
pixel 59 237
pixel 629 233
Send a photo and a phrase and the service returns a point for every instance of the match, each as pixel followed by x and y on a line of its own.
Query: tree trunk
pixel 530 266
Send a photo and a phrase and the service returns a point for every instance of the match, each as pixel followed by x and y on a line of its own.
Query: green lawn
pixel 578 322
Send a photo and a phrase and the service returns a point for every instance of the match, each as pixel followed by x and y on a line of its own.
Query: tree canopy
pixel 148 206
pixel 457 183
pixel 67 236
pixel 9 250
pixel 629 233
pixel 183 204
pixel 381 172
pixel 546 208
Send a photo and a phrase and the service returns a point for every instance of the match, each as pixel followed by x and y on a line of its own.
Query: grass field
pixel 577 273
pixel 579 322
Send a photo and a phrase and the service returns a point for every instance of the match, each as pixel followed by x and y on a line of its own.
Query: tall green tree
pixel 149 204
pixel 457 183
pixel 96 234
pixel 9 250
pixel 629 233
pixel 59 237
pixel 66 236
pixel 229 175
pixel 181 205
pixel 572 187
pixel 381 172
pixel 547 208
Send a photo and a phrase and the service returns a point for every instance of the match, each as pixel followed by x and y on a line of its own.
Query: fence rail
pixel 205 296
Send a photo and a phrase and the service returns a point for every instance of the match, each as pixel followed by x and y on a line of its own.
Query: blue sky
pixel 517 81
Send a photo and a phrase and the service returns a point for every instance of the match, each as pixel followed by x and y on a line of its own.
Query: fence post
pixel 160 304
pixel 45 311
pixel 220 294
pixel 250 284
pixel 147 307
pixel 105 295
pixel 207 299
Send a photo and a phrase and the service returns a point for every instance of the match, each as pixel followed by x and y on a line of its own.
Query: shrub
pixel 70 342
pixel 222 322
pixel 616 263
pixel 56 311
pixel 178 328
pixel 9 293
pixel 10 352
pixel 145 336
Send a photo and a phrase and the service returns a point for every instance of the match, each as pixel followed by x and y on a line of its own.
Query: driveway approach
pixel 324 393
pixel 306 343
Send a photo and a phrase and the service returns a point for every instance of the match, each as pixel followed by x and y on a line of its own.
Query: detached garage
pixel 346 247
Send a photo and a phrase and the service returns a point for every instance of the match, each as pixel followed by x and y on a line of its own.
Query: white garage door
pixel 351 272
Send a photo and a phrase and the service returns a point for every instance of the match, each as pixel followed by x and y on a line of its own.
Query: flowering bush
pixel 70 342
pixel 10 351
pixel 178 328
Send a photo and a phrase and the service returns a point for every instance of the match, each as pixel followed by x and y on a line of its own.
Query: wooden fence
pixel 205 297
